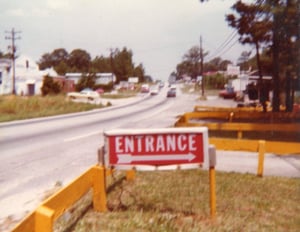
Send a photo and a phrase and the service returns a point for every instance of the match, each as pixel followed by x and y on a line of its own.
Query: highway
pixel 37 154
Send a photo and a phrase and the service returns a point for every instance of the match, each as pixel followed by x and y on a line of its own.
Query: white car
pixel 88 94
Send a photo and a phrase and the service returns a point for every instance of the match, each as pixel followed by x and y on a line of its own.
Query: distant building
pixel 65 85
pixel 75 77
pixel 28 77
pixel 101 78
pixel 105 78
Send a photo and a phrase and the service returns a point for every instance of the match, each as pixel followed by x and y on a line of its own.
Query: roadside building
pixel 101 78
pixel 28 77
pixel 65 85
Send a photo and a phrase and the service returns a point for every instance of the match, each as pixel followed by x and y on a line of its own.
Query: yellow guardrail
pixel 205 118
pixel 231 114
pixel 258 109
pixel 279 148
pixel 42 219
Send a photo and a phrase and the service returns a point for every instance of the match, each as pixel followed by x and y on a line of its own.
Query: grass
pixel 179 201
pixel 17 107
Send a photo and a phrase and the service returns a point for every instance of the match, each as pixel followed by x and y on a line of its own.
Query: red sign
pixel 157 146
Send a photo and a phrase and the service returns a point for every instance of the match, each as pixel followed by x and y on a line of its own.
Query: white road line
pixel 82 136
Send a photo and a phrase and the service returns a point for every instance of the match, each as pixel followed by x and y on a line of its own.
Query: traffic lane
pixel 247 162
pixel 19 152
pixel 85 127
pixel 36 127
pixel 42 161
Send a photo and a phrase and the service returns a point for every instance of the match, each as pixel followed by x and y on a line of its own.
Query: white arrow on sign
pixel 128 158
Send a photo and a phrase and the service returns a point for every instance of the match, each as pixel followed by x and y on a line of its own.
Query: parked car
pixel 171 92
pixel 87 93
pixel 227 94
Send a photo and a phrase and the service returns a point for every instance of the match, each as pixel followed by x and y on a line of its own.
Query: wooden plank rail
pixel 226 118
pixel 234 114
pixel 279 148
pixel 292 127
pixel 204 118
pixel 42 219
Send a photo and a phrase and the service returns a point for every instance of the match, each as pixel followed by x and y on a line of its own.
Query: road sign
pixel 165 146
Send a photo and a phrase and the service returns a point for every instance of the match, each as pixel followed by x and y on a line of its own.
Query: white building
pixel 28 77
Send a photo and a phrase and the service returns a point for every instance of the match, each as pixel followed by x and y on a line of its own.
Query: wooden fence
pixel 42 219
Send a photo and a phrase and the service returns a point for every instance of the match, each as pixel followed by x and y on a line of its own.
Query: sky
pixel 158 32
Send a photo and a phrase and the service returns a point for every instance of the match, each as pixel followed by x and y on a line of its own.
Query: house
pixel 28 77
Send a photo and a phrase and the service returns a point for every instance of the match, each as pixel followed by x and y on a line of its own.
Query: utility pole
pixel 13 38
pixel 201 67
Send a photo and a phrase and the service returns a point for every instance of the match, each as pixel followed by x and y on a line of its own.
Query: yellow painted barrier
pixel 261 157
pixel 279 148
pixel 199 119
pixel 212 181
pixel 42 219
pixel 235 114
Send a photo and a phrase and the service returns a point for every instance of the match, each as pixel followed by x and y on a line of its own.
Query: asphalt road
pixel 37 154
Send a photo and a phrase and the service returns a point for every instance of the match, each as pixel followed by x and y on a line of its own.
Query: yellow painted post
pixel 130 174
pixel 240 134
pixel 44 217
pixel 212 180
pixel 261 157
pixel 99 189
pixel 231 116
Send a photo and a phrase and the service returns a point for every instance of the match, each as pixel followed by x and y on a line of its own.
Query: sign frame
pixel 140 164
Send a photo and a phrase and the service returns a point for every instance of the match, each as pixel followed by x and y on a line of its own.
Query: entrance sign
pixel 157 147
pixel 161 149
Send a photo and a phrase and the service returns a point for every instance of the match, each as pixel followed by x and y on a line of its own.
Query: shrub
pixel 50 87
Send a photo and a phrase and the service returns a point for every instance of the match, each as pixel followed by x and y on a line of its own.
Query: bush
pixel 50 87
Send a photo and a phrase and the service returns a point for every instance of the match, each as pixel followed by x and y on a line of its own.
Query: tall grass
pixel 17 107
pixel 179 201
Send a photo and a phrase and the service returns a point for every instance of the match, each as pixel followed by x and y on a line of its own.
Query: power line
pixel 227 42
pixel 13 38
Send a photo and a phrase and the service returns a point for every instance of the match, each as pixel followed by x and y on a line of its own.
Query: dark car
pixel 171 93
pixel 227 94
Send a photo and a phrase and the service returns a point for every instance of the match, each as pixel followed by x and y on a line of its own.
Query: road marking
pixel 128 158
pixel 81 136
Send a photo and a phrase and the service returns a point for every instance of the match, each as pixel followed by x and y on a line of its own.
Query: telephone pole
pixel 201 67
pixel 13 37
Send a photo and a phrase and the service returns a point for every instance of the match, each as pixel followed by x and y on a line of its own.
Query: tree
pixel 254 30
pixel 79 60
pixel 119 62
pixel 275 23
pixel 139 71
pixel 61 68
pixel 54 59
pixel 122 64
pixel 86 81
pixel 191 63
pixel 101 64
pixel 216 64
